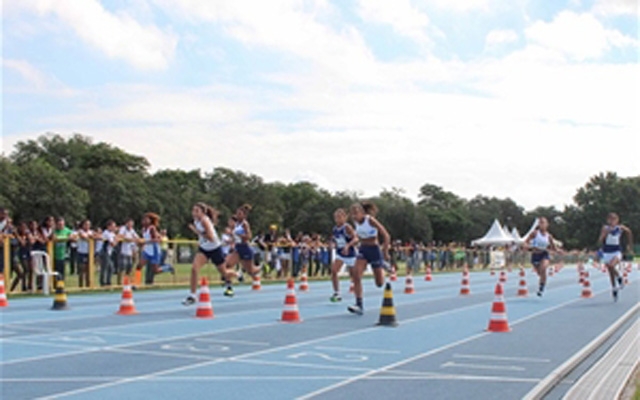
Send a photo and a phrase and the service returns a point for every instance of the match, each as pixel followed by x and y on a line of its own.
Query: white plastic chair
pixel 42 267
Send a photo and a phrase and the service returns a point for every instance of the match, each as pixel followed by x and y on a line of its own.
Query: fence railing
pixel 177 256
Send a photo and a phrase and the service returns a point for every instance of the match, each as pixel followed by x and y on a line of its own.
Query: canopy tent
pixel 496 236
pixel 516 235
pixel 534 226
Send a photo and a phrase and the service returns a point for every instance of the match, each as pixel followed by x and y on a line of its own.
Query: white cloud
pixel 401 15
pixel 460 5
pixel 30 74
pixel 579 36
pixel 498 37
pixel 118 36
pixel 616 7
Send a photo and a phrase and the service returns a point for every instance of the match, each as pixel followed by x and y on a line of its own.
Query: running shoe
pixel 615 295
pixel 355 309
pixel 336 298
pixel 387 267
pixel 189 301
pixel 540 293
pixel 241 277
pixel 229 292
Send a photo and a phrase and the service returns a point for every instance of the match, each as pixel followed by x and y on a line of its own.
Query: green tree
pixel 48 192
pixel 447 212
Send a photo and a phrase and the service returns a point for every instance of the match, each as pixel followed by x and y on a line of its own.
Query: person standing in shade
pixel 128 236
pixel 106 259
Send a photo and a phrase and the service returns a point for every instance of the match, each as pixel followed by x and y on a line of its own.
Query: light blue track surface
pixel 440 349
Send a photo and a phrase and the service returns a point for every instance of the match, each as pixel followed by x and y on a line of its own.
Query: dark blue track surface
pixel 440 350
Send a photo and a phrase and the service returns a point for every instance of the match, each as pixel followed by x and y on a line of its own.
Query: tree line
pixel 77 178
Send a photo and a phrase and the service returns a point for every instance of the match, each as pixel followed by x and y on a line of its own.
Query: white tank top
pixel 149 247
pixel 540 241
pixel 238 232
pixel 203 241
pixel 365 230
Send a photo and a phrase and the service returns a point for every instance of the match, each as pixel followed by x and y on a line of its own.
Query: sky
pixel 508 98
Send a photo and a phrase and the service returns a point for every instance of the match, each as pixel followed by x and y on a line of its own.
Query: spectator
pixel 73 251
pixel 129 237
pixel 85 236
pixel 106 260
pixel 61 236
pixel 24 240
pixel 4 225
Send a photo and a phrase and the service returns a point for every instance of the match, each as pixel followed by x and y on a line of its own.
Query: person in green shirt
pixel 62 235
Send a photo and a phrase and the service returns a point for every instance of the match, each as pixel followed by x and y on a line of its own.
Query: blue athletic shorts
pixel 244 251
pixel 153 259
pixel 216 255
pixel 537 258
pixel 371 254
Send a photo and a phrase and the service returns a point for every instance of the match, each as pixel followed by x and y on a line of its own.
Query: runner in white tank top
pixel 209 248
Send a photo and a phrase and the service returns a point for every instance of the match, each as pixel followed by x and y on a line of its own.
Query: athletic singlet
pixel 365 230
pixel 342 239
pixel 203 241
pixel 239 232
pixel 540 241
pixel 149 247
pixel 612 240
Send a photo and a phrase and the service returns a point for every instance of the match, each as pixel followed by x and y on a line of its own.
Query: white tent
pixel 496 236
pixel 534 226
pixel 516 235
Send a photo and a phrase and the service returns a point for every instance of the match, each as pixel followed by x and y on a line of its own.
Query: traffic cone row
pixel 408 287
pixel 304 283
pixel 523 290
pixel 503 277
pixel 465 288
pixel 291 314
pixel 3 294
pixel 127 307
pixel 498 321
pixel 586 287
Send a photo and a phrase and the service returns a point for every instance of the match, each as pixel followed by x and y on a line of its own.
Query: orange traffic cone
pixel 550 271
pixel 523 291
pixel 291 314
pixel 205 307
pixel 465 288
pixel 256 284
pixel 394 275
pixel 581 280
pixel 304 283
pixel 428 276
pixel 625 278
pixel 127 307
pixel 586 287
pixel 3 294
pixel 493 272
pixel 503 277
pixel 408 285
pixel 498 321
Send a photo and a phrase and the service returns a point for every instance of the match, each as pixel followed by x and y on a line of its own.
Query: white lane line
pixel 227 341
pixel 498 358
pixel 48 344
pixel 433 351
pixel 244 356
pixel 162 354
pixel 240 328
pixel 351 349
pixel 304 365
pixel 126 335
pixel 452 364
pixel 454 378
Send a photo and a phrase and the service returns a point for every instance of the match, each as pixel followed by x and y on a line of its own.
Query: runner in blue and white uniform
pixel 242 252
pixel 367 230
pixel 540 242
pixel 209 248
pixel 610 236
pixel 345 240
